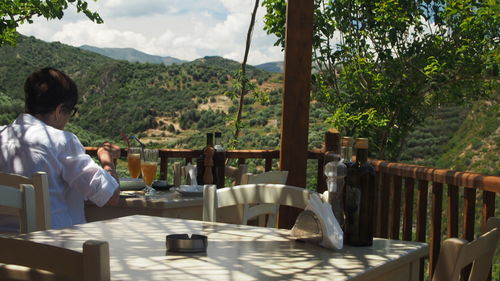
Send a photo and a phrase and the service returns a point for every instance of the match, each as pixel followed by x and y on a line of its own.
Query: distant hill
pixel 132 55
pixel 276 66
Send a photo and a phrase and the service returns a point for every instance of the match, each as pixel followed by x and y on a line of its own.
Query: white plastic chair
pixel 263 210
pixel 455 254
pixel 22 200
pixel 90 265
pixel 279 194
pixel 40 183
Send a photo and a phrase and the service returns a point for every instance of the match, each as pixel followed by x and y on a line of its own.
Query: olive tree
pixel 381 66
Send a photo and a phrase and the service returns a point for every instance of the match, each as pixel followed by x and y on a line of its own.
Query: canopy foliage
pixel 16 12
pixel 382 66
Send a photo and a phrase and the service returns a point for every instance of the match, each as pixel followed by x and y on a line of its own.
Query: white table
pixel 235 252
pixel 166 204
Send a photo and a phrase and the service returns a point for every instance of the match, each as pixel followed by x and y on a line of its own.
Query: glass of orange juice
pixel 149 164
pixel 134 161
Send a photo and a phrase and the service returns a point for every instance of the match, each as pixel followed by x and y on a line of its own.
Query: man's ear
pixel 59 112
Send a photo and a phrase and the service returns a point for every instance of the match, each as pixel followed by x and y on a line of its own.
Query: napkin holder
pixel 322 219
pixel 182 243
pixel 307 228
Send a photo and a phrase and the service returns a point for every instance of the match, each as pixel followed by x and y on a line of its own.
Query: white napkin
pixel 333 236
pixel 191 171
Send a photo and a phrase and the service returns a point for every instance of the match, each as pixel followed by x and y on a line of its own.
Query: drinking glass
pixel 134 161
pixel 149 164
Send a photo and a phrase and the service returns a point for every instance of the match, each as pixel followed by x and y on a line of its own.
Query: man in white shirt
pixel 35 141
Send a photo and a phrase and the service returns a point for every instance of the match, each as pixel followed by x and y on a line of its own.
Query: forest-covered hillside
pixel 175 105
pixel 135 98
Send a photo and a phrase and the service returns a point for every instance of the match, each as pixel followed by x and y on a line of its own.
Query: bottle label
pixel 352 202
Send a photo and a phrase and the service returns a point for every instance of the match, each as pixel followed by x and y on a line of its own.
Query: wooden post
pixel 295 117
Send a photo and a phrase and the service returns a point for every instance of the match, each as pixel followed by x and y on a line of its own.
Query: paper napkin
pixel 333 236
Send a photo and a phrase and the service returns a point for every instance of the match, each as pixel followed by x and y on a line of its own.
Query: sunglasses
pixel 74 110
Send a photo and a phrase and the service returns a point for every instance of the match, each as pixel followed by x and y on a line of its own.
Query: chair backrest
pixel 40 182
pixel 22 200
pixel 455 254
pixel 280 194
pixel 263 210
pixel 235 173
pixel 278 177
pixel 90 265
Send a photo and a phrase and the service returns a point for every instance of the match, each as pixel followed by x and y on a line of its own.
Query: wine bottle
pixel 208 162
pixel 359 198
pixel 200 161
pixel 219 160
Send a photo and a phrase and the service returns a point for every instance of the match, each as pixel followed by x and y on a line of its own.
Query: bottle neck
pixel 331 156
pixel 361 156
pixel 210 140
pixel 347 153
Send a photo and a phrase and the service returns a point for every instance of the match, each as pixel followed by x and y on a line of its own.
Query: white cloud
pixel 185 29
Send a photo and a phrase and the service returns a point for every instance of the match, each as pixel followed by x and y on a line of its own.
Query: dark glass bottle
pixel 219 161
pixel 208 152
pixel 200 162
pixel 360 198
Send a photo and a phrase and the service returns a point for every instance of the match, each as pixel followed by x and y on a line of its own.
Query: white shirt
pixel 29 145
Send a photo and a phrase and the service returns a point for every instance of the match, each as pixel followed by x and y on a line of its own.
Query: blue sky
pixel 185 29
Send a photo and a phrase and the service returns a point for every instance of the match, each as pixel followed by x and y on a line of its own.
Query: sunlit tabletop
pixel 165 204
pixel 235 252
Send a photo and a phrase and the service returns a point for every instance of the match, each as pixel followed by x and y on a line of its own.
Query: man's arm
pixel 107 153
pixel 114 199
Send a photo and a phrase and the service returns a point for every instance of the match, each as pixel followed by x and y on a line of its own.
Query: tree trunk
pixel 243 74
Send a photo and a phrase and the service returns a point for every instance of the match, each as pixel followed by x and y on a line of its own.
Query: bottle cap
pixel 218 134
pixel 361 143
pixel 332 140
pixel 346 141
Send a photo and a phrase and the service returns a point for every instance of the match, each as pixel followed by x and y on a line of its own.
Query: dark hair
pixel 47 88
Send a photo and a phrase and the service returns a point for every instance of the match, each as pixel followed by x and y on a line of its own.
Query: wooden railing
pixel 403 198
pixel 397 221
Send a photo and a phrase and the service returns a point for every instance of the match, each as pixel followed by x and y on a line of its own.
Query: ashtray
pixel 161 185
pixel 184 244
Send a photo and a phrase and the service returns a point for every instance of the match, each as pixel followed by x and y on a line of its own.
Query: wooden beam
pixel 295 117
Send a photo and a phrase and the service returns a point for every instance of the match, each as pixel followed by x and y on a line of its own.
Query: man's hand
pixel 108 148
pixel 107 153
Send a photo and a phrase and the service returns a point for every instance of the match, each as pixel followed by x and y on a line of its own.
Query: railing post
pixel 488 209
pixel 437 212
pixel 468 224
pixel 452 211
pixel 269 164
pixel 163 167
pixel 408 209
pixel 396 207
pixel 384 205
pixel 422 218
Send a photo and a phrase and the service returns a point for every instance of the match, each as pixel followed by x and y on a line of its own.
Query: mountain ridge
pixel 134 55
